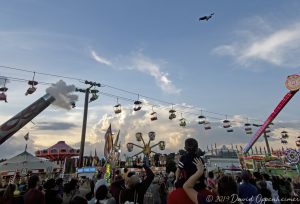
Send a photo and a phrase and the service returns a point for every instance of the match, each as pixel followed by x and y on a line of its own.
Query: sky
pixel 233 66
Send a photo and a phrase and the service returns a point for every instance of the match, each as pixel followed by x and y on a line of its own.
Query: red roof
pixel 61 145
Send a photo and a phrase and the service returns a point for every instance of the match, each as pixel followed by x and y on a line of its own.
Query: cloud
pixel 55 126
pixel 141 63
pixel 129 122
pixel 148 66
pixel 280 47
pixel 100 59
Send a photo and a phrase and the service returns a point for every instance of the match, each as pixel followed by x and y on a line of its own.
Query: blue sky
pixel 236 64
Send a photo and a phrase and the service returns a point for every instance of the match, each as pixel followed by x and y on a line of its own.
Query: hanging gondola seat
pixel 151 136
pixel 226 124
pixel 182 122
pixel 3 89
pixel 117 109
pixel 172 114
pixel 3 97
pixel 32 83
pixel 201 119
pixel 153 116
pixel 30 90
pixel 138 136
pixel 207 126
pixel 137 105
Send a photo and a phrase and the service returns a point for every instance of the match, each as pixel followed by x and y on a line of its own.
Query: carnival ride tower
pixel 293 84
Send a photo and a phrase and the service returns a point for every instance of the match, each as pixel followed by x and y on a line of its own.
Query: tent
pixel 25 163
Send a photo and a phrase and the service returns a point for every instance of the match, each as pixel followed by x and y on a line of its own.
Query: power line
pixel 124 98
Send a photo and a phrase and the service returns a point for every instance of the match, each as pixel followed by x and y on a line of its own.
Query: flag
pixel 26 137
pixel 117 139
pixel 108 142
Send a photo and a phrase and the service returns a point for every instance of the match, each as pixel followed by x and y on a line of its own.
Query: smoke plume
pixel 63 94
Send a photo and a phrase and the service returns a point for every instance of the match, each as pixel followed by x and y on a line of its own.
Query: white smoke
pixel 63 94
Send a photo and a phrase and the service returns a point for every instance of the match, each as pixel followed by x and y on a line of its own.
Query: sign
pixel 293 82
pixel 87 170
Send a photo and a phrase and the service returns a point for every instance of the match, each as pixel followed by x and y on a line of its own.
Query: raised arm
pixel 190 183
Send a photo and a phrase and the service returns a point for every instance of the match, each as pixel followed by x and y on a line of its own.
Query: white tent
pixel 25 162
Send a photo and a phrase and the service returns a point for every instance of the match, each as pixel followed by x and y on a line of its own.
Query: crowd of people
pixel 191 183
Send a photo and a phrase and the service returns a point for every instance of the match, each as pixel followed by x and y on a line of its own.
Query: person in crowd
pixel 264 192
pixel 102 196
pixel 154 190
pixel 33 195
pixel 238 179
pixel 211 183
pixel 116 186
pixel 100 181
pixel 274 193
pixel 163 190
pixel 227 190
pixel 125 174
pixel 247 191
pixel 71 190
pixel 8 196
pixel 135 186
pixel 170 181
pixel 186 168
pixel 78 200
pixel 285 190
pixel 52 195
pixel 198 196
pixel 59 183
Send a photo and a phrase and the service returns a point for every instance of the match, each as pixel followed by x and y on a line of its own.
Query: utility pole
pixel 87 92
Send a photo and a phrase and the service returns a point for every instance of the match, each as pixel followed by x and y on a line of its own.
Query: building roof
pixel 26 161
pixel 60 145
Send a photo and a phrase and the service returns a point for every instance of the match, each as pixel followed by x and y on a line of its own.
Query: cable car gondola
pixel 201 119
pixel 137 105
pixel 182 122
pixel 117 108
pixel 248 129
pixel 226 124
pixel 3 96
pixel 172 114
pixel 32 87
pixel 207 125
pixel 230 130
pixel 153 115
pixel 94 95
pixel 284 134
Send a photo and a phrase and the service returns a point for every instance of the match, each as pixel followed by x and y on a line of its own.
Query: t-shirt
pixel 248 193
pixel 34 196
pixel 178 196
pixel 186 163
pixel 203 198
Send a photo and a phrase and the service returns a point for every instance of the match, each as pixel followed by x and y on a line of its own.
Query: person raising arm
pixel 190 183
